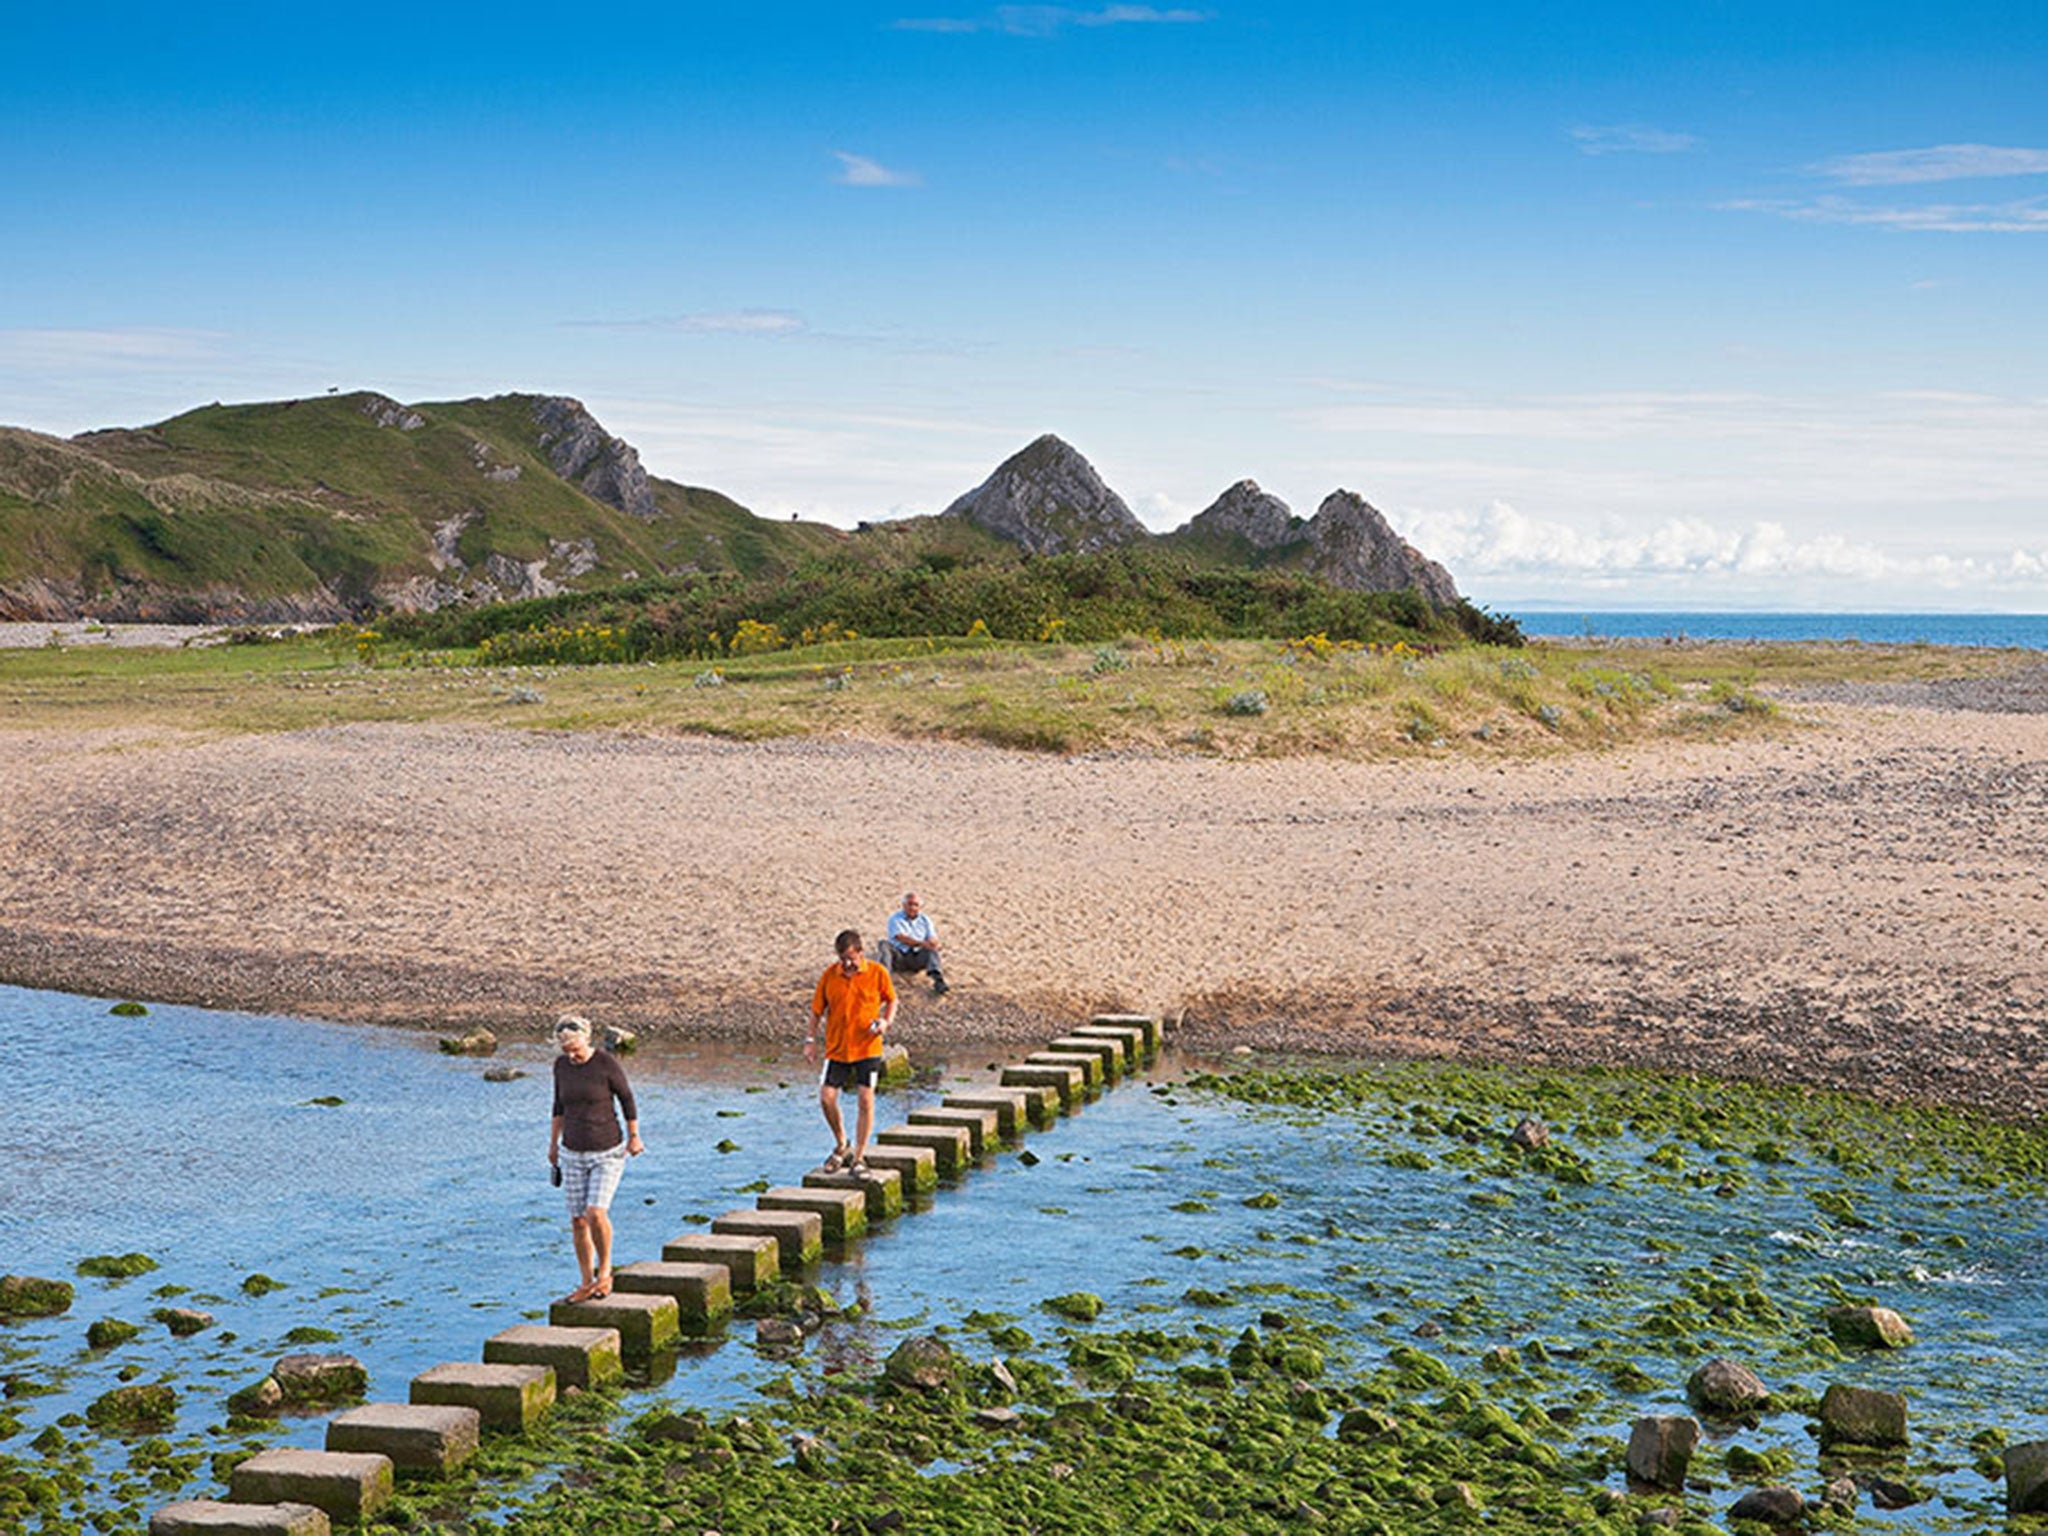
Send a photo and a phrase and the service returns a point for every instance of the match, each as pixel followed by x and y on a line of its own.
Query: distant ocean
pixel 1998 629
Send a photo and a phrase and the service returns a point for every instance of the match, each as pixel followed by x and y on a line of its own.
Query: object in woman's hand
pixel 555 1174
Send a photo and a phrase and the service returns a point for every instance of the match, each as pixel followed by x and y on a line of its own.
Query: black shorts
pixel 853 1074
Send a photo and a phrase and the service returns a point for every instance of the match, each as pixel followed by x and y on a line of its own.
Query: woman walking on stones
pixel 586 1149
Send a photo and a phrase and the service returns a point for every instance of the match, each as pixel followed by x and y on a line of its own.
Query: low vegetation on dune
pixel 1308 693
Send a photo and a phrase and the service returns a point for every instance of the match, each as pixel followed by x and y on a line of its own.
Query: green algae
pixel 116 1266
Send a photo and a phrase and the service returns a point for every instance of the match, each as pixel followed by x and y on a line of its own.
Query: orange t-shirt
pixel 850 1004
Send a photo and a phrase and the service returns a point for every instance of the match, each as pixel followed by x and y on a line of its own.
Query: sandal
pixel 857 1168
pixel 841 1156
pixel 601 1288
pixel 583 1292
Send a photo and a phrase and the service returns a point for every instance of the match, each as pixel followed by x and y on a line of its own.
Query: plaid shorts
pixel 590 1179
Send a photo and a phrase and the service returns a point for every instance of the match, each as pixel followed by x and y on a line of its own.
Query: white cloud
pixel 860 171
pixel 1499 541
pixel 1940 162
pixel 1049 20
pixel 735 322
pixel 2022 216
pixel 1631 139
pixel 66 351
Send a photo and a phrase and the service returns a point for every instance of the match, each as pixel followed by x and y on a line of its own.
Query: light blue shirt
pixel 901 927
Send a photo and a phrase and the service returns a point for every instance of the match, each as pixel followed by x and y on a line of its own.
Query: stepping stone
pixel 1111 1051
pixel 212 1517
pixel 844 1212
pixel 1093 1072
pixel 1069 1082
pixel 882 1188
pixel 418 1437
pixel 581 1357
pixel 702 1292
pixel 346 1486
pixel 1149 1023
pixel 1014 1107
pixel 950 1144
pixel 645 1323
pixel 983 1126
pixel 751 1260
pixel 799 1235
pixel 508 1397
pixel 918 1166
pixel 1129 1036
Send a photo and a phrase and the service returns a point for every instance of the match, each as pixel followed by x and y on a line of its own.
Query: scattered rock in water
pixel 621 1042
pixel 1660 1448
pixel 116 1266
pixel 2026 1478
pixel 678 1428
pixel 320 1381
pixel 478 1042
pixel 896 1068
pixel 1530 1134
pixel 183 1321
pixel 1770 1506
pixel 997 1418
pixel 1428 1328
pixel 264 1400
pixel 260 1284
pixel 1842 1495
pixel 27 1296
pixel 1002 1379
pixel 129 1010
pixel 1723 1387
pixel 1080 1306
pixel 778 1332
pixel 924 1362
pixel 1868 1328
pixel 1890 1493
pixel 1861 1416
pixel 106 1332
pixel 503 1072
pixel 808 1451
pixel 133 1409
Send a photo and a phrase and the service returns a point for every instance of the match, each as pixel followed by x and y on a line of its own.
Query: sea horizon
pixel 2027 631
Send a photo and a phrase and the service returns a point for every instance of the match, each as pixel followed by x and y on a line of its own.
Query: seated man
pixel 912 944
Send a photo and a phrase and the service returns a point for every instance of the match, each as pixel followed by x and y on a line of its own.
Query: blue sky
pixel 1680 305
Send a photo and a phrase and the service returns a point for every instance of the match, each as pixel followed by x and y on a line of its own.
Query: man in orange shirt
pixel 856 1002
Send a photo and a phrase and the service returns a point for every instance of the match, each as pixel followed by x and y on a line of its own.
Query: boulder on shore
pixel 2026 1478
pixel 1861 1416
pixel 1724 1387
pixel 27 1296
pixel 1660 1448
pixel 1770 1506
pixel 1868 1328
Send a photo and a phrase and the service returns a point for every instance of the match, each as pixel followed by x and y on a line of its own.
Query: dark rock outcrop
pixel 603 467
pixel 1354 547
pixel 1049 500
pixel 1244 512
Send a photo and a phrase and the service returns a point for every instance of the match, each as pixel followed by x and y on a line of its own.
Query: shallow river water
pixel 414 1218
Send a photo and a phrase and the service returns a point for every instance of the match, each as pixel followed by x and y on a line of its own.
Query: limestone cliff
pixel 1049 500
pixel 603 467
pixel 1352 546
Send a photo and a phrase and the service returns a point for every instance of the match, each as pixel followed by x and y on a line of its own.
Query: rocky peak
pixel 1352 546
pixel 1245 512
pixel 387 412
pixel 1049 500
pixel 603 467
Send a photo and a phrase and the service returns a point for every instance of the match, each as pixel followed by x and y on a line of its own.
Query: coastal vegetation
pixel 1310 691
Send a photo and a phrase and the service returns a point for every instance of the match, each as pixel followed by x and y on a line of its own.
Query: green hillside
pixel 336 505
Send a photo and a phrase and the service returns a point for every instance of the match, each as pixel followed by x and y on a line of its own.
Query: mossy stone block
pixel 1111 1051
pixel 983 1126
pixel 512 1398
pixel 881 1188
pixel 348 1486
pixel 1092 1071
pixel 1012 1106
pixel 429 1438
pixel 216 1517
pixel 751 1260
pixel 645 1323
pixel 1149 1023
pixel 950 1144
pixel 579 1357
pixel 799 1235
pixel 918 1167
pixel 1128 1036
pixel 1069 1082
pixel 702 1292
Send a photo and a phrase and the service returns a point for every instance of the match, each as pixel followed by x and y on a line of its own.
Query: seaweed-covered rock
pixel 116 1266
pixel 503 1072
pixel 1660 1448
pixel 1723 1387
pixel 263 1400
pixel 1868 1328
pixel 320 1381
pixel 1861 1416
pixel 924 1362
pixel 2026 1478
pixel 1080 1306
pixel 778 1332
pixel 478 1042
pixel 1530 1134
pixel 106 1332
pixel 132 1409
pixel 1770 1506
pixel 183 1321
pixel 27 1296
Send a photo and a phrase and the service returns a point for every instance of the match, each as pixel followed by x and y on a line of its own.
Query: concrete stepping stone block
pixel 512 1398
pixel 580 1357
pixel 1069 1082
pixel 983 1126
pixel 702 1292
pixel 799 1235
pixel 1147 1022
pixel 347 1486
pixel 844 1212
pixel 1015 1107
pixel 433 1438
pixel 1111 1052
pixel 215 1517
pixel 918 1166
pixel 1129 1036
pixel 1092 1071
pixel 751 1260
pixel 950 1144
pixel 645 1323
pixel 881 1188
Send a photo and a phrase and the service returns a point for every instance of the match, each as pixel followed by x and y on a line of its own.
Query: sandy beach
pixel 1861 904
